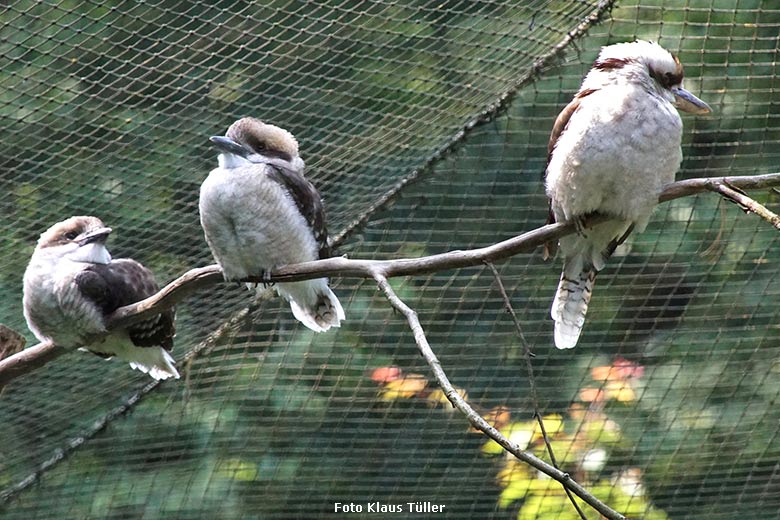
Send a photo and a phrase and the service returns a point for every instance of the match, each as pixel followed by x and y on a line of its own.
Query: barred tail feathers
pixel 571 301
pixel 585 256
pixel 313 303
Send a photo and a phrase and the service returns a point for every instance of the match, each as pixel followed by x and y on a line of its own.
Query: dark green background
pixel 105 109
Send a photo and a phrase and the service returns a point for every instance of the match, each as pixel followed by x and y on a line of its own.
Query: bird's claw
pixel 265 274
pixel 579 226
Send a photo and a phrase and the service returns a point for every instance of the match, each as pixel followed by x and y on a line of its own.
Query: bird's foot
pixel 265 274
pixel 579 225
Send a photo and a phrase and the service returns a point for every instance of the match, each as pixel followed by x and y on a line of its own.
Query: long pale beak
pixel 687 102
pixel 227 145
pixel 98 235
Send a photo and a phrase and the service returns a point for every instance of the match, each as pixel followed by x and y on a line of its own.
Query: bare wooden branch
pixel 688 187
pixel 477 420
pixel 746 203
pixel 192 280
pixel 532 380
pixel 28 360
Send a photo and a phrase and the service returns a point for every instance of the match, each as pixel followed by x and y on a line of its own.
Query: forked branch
pixel 477 420
pixel 176 291
pixel 380 270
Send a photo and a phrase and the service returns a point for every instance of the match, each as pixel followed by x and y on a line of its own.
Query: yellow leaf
pixel 403 388
pixel 621 391
pixel 238 469
pixel 516 490
pixel 520 433
pixel 553 425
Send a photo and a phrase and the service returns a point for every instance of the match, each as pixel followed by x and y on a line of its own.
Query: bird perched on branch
pixel 259 212
pixel 71 284
pixel 612 149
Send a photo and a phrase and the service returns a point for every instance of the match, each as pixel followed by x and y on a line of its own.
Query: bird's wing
pixel 121 283
pixel 559 127
pixel 308 201
pixel 562 121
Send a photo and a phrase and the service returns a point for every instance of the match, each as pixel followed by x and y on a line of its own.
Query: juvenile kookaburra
pixel 259 212
pixel 612 149
pixel 71 284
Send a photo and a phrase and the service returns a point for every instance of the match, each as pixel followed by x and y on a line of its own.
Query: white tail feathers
pixel 158 363
pixel 585 255
pixel 571 301
pixel 313 303
pixel 155 361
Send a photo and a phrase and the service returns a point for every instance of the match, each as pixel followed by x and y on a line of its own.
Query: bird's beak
pixel 687 102
pixel 97 236
pixel 227 145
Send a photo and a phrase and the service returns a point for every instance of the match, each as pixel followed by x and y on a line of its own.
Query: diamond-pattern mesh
pixel 105 109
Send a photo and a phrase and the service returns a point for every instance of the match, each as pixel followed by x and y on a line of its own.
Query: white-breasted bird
pixel 612 149
pixel 259 212
pixel 71 284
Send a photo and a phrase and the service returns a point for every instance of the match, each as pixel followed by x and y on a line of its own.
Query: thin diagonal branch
pixel 746 203
pixel 477 420
pixel 35 357
pixel 531 380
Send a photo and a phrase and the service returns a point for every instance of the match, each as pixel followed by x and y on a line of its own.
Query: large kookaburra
pixel 259 212
pixel 71 284
pixel 611 151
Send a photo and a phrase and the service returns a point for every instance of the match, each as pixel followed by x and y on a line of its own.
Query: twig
pixel 532 380
pixel 474 418
pixel 28 360
pixel 176 291
pixel 745 202
pixel 688 187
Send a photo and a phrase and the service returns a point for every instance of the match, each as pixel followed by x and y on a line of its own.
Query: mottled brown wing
pixel 308 201
pixel 121 283
pixel 560 125
pixel 562 121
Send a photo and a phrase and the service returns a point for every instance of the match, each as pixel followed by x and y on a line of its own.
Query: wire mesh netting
pixel 425 127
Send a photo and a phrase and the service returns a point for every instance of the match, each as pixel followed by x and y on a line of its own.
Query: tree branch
pixel 35 357
pixel 532 381
pixel 477 420
pixel 746 203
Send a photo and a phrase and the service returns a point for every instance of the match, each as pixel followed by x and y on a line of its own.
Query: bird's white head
pixel 648 64
pixel 78 239
pixel 249 140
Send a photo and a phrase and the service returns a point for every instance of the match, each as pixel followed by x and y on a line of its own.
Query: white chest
pixel 251 222
pixel 55 308
pixel 619 149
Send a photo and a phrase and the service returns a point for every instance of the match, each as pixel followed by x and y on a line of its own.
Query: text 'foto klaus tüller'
pixel 379 507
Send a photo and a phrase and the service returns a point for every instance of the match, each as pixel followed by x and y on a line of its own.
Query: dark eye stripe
pixel 667 79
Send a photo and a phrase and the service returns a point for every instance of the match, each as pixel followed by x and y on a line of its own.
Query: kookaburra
pixel 259 212
pixel 612 149
pixel 71 284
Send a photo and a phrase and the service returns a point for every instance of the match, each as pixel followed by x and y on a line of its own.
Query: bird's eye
pixel 70 235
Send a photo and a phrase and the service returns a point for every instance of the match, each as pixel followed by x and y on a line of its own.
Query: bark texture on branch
pixel 200 277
